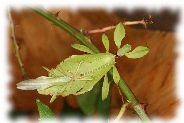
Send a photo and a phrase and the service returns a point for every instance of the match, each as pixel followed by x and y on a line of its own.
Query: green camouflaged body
pixel 84 70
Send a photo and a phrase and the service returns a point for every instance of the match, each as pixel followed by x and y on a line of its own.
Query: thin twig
pixel 121 112
pixel 126 23
pixel 16 47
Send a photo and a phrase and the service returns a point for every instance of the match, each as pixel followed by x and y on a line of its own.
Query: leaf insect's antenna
pixel 42 82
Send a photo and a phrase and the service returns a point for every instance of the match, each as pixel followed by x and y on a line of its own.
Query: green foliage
pixel 119 34
pixel 125 49
pixel 105 41
pixel 94 101
pixel 116 76
pixel 82 48
pixel 103 106
pixel 105 88
pixel 88 101
pixel 44 111
pixel 138 52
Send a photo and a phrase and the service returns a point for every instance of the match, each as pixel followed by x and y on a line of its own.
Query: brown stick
pixel 16 47
pixel 126 23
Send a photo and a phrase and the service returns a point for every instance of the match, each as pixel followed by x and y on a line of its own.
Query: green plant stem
pixel 68 28
pixel 132 99
pixel 84 40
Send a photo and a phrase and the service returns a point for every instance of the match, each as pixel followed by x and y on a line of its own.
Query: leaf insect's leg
pixel 78 67
pixel 53 98
pixel 87 78
pixel 64 73
pixel 45 68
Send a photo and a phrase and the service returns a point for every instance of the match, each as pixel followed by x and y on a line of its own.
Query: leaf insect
pixel 79 73
pixel 75 75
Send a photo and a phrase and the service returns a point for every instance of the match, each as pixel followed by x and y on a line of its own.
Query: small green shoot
pixel 125 49
pixel 119 34
pixel 105 41
pixel 105 88
pixel 82 48
pixel 44 111
pixel 116 76
pixel 138 52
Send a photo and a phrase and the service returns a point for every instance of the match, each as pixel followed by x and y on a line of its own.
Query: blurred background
pixel 151 78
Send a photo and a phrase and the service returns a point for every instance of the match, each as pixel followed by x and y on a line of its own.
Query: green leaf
pixel 125 49
pixel 44 111
pixel 82 48
pixel 105 41
pixel 103 107
pixel 116 76
pixel 94 101
pixel 88 101
pixel 119 34
pixel 105 88
pixel 138 52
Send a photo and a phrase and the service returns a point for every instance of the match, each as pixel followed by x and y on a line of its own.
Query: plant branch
pixel 16 47
pixel 102 30
pixel 84 40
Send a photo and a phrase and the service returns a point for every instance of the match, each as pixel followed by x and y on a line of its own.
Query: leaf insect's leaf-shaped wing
pixel 116 76
pixel 41 82
pixel 105 41
pixel 82 48
pixel 125 49
pixel 44 111
pixel 119 34
pixel 105 88
pixel 138 52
